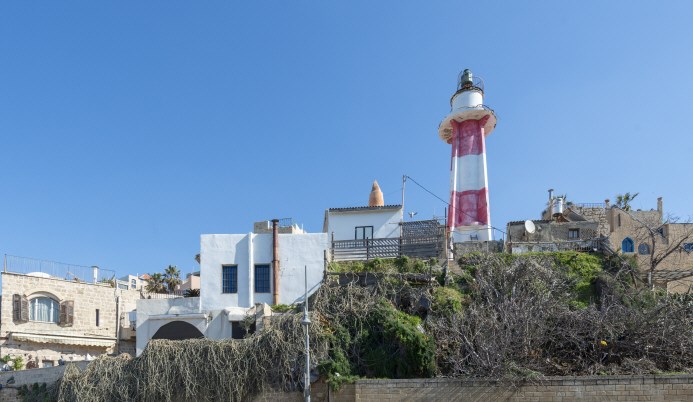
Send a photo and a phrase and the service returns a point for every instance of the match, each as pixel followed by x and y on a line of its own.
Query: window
pixel 262 278
pixel 619 220
pixel 97 317
pixel 44 309
pixel 643 249
pixel 363 232
pixel 627 245
pixel 229 279
pixel 133 284
pixel 688 247
pixel 573 233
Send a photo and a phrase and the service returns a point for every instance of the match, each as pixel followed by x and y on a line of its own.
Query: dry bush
pixel 522 322
pixel 198 369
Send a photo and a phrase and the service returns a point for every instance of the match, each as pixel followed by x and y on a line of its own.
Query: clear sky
pixel 129 128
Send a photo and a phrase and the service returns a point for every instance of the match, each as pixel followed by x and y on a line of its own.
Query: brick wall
pixel 599 388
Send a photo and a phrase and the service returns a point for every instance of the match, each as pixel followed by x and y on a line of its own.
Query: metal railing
pixel 589 205
pixel 286 222
pixel 368 249
pixel 176 294
pixel 588 245
pixel 54 269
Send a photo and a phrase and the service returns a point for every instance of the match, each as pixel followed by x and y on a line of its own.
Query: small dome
pixel 376 197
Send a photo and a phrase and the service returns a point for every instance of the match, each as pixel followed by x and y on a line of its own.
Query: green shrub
pixel 447 301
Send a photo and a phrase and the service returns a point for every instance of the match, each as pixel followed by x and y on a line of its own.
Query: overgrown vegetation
pixel 561 314
pixel 499 316
pixel 378 265
pixel 36 393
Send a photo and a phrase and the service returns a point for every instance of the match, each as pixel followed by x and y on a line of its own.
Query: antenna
pixel 529 227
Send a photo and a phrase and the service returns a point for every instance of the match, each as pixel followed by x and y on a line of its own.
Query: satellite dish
pixel 529 227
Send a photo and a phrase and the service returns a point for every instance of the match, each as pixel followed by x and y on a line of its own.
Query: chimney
pixel 275 260
pixel 607 203
pixel 660 208
pixel 376 197
pixel 95 273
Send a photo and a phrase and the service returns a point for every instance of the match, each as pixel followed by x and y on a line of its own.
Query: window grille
pixel 262 278
pixel 229 279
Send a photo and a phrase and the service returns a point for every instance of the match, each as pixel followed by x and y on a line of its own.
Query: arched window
pixel 627 245
pixel 44 309
pixel 643 249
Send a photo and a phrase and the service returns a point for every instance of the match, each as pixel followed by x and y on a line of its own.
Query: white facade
pixel 152 314
pixel 342 223
pixel 133 282
pixel 244 252
pixel 215 312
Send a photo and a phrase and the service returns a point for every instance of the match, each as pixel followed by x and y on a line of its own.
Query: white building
pixel 376 221
pixel 133 282
pixel 236 270
pixel 240 276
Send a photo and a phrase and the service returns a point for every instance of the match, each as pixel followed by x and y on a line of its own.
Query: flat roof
pixel 366 208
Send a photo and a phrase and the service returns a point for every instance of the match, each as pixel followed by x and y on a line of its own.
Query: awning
pixel 64 340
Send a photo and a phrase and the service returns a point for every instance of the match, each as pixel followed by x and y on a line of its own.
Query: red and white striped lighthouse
pixel 466 128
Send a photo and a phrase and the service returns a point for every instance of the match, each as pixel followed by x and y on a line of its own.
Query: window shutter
pixel 67 313
pixel 24 302
pixel 20 308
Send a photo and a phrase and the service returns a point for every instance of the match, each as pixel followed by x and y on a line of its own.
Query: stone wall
pixel 597 388
pixel 624 224
pixel 594 388
pixel 47 375
pixel 490 246
pixel 594 214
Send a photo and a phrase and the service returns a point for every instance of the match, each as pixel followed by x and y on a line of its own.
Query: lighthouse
pixel 466 128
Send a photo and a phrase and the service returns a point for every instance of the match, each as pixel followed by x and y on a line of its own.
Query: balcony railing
pixel 589 245
pixel 368 249
pixel 58 270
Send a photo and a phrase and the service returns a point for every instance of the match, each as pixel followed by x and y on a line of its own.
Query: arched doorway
pixel 178 330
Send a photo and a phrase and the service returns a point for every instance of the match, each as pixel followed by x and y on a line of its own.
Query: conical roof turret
pixel 376 197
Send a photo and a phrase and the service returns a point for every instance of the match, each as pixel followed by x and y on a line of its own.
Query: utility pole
pixel 306 323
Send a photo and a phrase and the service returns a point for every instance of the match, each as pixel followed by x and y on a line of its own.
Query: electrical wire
pixel 450 206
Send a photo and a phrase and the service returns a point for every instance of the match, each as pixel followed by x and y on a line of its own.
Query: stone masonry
pixel 594 388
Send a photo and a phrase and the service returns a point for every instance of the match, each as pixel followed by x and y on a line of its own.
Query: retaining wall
pixel 47 375
pixel 598 388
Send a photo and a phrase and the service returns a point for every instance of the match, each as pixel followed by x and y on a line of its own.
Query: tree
pixel 191 293
pixel 623 200
pixel 172 278
pixel 661 241
pixel 156 283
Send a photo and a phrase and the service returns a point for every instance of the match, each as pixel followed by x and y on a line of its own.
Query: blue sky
pixel 130 128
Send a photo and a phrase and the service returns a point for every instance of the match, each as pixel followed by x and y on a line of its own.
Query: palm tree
pixel 191 293
pixel 156 283
pixel 172 278
pixel 623 200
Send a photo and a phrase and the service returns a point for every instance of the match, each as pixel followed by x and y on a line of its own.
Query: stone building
pixel 44 318
pixel 644 235
pixel 648 235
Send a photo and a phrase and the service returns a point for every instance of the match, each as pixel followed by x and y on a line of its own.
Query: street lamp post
pixel 306 323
